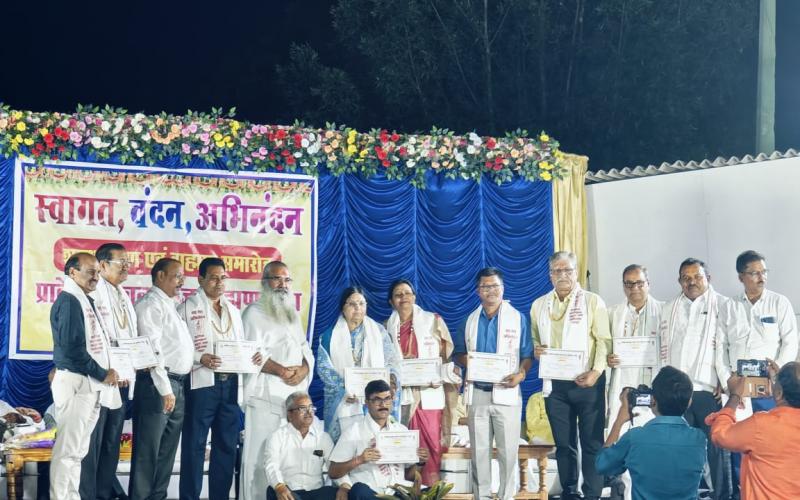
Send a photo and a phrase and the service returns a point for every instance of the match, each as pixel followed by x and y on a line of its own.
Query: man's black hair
pixel 672 390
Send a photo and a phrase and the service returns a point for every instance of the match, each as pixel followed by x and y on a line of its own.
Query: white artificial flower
pixel 105 126
pixel 139 117
pixel 304 142
pixel 139 153
pixel 118 123
pixel 146 137
pixel 410 163
pixel 64 123
pixel 471 149
pixel 297 154
pixel 98 143
pixel 137 128
pixel 474 138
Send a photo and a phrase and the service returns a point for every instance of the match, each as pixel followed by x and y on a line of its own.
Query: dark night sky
pixel 174 56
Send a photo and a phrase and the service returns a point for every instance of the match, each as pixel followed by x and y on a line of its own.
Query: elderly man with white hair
pixel 273 322
pixel 571 318
pixel 298 454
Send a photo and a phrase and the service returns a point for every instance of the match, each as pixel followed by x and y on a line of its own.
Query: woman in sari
pixel 421 334
pixel 355 340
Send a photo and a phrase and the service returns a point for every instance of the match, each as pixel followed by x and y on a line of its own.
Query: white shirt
pixel 158 318
pixel 693 350
pixel 291 458
pixel 282 343
pixel 772 331
pixel 353 442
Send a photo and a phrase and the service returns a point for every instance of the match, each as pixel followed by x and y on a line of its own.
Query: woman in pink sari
pixel 420 334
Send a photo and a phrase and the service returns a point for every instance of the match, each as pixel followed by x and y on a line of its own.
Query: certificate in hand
pixel 120 360
pixel 421 372
pixel 236 356
pixel 356 379
pixel 561 364
pixel 142 353
pixel 487 367
pixel 397 447
pixel 636 351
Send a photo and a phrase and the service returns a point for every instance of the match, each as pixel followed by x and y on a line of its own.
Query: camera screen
pixel 752 368
pixel 643 400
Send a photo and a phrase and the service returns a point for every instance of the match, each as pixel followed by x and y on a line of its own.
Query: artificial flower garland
pixel 219 139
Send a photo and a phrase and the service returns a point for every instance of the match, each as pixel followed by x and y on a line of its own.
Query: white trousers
pixel 261 420
pixel 488 422
pixel 78 407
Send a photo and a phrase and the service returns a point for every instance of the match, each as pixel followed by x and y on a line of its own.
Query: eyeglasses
pixel 304 409
pixel 380 401
pixel 356 305
pixel 489 288
pixel 280 279
pixel 562 272
pixel 757 274
pixel 121 262
pixel 630 285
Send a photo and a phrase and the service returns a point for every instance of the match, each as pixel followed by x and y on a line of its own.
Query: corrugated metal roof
pixel 679 166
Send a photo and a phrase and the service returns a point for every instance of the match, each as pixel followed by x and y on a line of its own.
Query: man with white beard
pixel 273 322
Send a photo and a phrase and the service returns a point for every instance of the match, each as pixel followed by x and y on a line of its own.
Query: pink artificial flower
pixel 74 137
pixel 205 137
pixel 243 142
pixel 185 148
pixel 262 150
pixel 193 128
pixel 204 150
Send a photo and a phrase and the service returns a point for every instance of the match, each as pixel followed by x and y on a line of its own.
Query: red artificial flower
pixel 385 163
pixel 278 167
pixel 488 164
pixel 61 149
pixel 39 147
pixel 48 138
pixel 402 151
pixel 384 136
pixel 380 152
pixel 36 152
pixel 395 137
pixel 272 156
pixel 285 153
pixel 298 140
pixel 290 160
pixel 491 143
pixel 280 134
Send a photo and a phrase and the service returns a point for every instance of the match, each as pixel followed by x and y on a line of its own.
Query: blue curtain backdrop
pixel 371 232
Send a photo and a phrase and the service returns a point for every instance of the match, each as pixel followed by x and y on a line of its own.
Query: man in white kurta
pixel 494 409
pixel 274 324
pixel 84 376
pixel 298 453
pixel 638 316
pixel 99 467
pixel 691 325
pixel 159 398
pixel 771 325
pixel 353 460
pixel 212 402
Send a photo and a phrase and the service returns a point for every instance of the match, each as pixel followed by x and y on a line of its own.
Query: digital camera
pixel 752 368
pixel 641 396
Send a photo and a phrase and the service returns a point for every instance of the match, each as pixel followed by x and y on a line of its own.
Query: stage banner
pixel 247 219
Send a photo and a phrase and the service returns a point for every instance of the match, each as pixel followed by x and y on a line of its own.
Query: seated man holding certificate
pixel 376 453
pixel 494 346
pixel 425 344
pixel 571 331
pixel 212 403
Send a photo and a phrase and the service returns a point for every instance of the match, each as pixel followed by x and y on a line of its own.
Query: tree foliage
pixel 624 81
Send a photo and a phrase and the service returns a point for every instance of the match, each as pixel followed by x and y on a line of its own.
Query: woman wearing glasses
pixel 424 335
pixel 358 341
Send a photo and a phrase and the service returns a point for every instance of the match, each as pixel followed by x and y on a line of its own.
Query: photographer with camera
pixel 665 457
pixel 768 441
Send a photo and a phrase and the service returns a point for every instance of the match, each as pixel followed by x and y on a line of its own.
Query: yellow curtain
pixel 569 212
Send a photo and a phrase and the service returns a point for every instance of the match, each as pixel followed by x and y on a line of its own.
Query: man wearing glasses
pixel 353 460
pixel 287 365
pixel 638 316
pixel 691 325
pixel 495 327
pixel 573 319
pixel 772 325
pixel 297 454
pixel 99 467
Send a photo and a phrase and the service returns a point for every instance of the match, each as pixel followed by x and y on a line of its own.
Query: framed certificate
pixel 397 447
pixel 489 368
pixel 636 351
pixel 120 358
pixel 236 356
pixel 421 372
pixel 141 350
pixel 561 364
pixel 356 379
